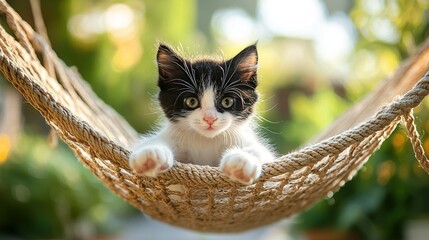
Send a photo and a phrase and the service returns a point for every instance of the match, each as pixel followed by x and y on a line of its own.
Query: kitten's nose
pixel 210 119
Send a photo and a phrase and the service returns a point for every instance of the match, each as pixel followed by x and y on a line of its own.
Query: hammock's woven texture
pixel 208 200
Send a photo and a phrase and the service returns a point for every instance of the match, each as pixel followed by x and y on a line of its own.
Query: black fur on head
pixel 180 78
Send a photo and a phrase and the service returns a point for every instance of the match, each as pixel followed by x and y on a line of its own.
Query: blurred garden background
pixel 316 58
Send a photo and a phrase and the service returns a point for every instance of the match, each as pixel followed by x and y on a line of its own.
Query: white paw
pixel 241 166
pixel 151 160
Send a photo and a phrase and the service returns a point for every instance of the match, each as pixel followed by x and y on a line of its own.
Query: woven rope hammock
pixel 208 201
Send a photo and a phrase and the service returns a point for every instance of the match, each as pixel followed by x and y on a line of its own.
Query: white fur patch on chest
pixel 201 151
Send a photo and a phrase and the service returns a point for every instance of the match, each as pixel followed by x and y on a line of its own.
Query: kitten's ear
pixel 246 63
pixel 168 62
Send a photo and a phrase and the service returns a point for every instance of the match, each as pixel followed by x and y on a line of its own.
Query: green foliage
pixel 388 32
pixel 391 189
pixel 46 193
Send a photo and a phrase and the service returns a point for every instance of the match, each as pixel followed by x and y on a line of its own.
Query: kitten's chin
pixel 209 133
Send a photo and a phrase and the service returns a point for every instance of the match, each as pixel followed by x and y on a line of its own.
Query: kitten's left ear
pixel 246 63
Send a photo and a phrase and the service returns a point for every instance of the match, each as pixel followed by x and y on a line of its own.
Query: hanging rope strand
pixel 413 135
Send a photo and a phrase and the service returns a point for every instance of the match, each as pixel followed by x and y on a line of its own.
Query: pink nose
pixel 210 119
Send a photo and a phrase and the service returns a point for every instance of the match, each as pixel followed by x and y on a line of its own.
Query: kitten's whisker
pixel 228 138
pixel 193 78
pixel 223 75
pixel 269 109
pixel 236 135
pixel 263 119
pixel 182 82
pixel 181 67
pixel 180 94
pixel 226 83
pixel 270 131
pixel 242 85
pixel 239 95
pixel 185 69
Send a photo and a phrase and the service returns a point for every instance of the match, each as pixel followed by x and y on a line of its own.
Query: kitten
pixel 209 107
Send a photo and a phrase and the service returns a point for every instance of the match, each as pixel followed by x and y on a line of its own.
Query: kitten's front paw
pixel 241 166
pixel 151 160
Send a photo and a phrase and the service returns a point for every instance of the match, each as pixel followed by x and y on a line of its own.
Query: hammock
pixel 209 200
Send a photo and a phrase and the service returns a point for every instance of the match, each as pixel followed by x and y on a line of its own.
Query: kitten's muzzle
pixel 210 116
pixel 209 119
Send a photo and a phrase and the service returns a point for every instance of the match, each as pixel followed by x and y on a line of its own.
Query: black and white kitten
pixel 209 106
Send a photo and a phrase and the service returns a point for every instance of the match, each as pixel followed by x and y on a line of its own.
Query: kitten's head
pixel 207 95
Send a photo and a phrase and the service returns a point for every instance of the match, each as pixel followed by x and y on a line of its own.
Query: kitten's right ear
pixel 168 62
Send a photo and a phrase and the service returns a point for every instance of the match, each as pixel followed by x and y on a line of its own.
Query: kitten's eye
pixel 191 102
pixel 227 102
